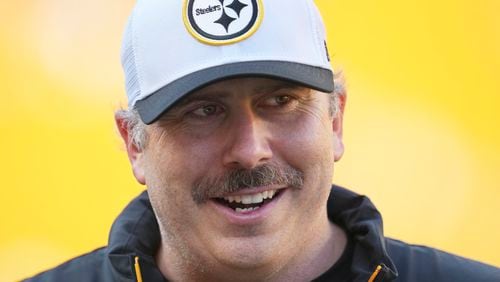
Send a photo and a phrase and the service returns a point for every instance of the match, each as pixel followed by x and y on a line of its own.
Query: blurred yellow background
pixel 422 127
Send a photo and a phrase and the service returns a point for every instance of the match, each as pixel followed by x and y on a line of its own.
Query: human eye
pixel 280 101
pixel 205 111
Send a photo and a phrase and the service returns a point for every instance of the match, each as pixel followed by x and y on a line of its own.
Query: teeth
pixel 271 193
pixel 246 199
pixel 251 199
pixel 238 210
pixel 257 198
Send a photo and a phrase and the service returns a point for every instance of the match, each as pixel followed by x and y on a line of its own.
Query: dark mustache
pixel 239 179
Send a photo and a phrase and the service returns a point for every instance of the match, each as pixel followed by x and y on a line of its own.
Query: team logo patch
pixel 220 22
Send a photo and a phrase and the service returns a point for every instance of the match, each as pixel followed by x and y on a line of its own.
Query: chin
pixel 247 253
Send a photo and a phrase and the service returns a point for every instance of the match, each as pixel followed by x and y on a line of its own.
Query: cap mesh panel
pixel 129 65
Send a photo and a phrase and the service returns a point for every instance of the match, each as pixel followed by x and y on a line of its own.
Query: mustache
pixel 239 179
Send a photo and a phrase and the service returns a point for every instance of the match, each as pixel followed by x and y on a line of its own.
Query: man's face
pixel 239 172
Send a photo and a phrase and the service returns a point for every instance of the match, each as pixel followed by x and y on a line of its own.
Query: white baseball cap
pixel 173 47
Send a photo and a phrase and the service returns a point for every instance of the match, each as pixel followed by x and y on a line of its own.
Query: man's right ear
pixel 135 154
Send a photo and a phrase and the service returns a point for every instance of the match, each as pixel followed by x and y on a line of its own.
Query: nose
pixel 248 142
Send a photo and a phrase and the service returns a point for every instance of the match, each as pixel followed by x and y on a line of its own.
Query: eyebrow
pixel 209 95
pixel 201 96
pixel 274 88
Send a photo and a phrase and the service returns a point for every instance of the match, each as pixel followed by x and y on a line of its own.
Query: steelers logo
pixel 220 22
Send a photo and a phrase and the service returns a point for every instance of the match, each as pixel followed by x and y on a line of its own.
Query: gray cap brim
pixel 154 105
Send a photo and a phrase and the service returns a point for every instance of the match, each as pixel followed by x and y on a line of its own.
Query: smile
pixel 248 203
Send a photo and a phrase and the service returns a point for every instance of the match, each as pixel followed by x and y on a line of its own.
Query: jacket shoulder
pixel 85 268
pixel 421 263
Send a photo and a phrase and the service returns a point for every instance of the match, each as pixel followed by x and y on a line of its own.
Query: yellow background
pixel 421 129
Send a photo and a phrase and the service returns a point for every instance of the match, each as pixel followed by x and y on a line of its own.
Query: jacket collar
pixel 135 233
pixel 363 223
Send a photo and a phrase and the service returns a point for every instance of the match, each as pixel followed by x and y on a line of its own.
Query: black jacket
pixel 135 237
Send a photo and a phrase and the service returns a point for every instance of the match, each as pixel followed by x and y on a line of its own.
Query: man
pixel 234 126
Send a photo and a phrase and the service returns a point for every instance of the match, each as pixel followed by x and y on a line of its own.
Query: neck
pixel 321 250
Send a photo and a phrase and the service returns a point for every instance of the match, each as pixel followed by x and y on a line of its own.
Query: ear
pixel 337 126
pixel 135 155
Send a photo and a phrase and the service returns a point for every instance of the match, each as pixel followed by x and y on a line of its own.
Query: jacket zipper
pixel 137 270
pixel 375 273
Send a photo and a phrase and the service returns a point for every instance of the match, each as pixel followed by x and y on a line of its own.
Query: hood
pixel 135 238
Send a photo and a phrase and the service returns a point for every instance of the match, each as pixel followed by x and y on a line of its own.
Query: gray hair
pixel 338 91
pixel 137 129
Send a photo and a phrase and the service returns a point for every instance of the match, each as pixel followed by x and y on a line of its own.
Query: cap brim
pixel 154 105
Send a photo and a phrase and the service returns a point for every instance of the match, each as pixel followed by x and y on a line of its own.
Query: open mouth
pixel 249 203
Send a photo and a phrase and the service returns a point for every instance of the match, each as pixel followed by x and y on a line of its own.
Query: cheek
pixel 308 147
pixel 308 141
pixel 162 180
pixel 169 183
pixel 174 165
